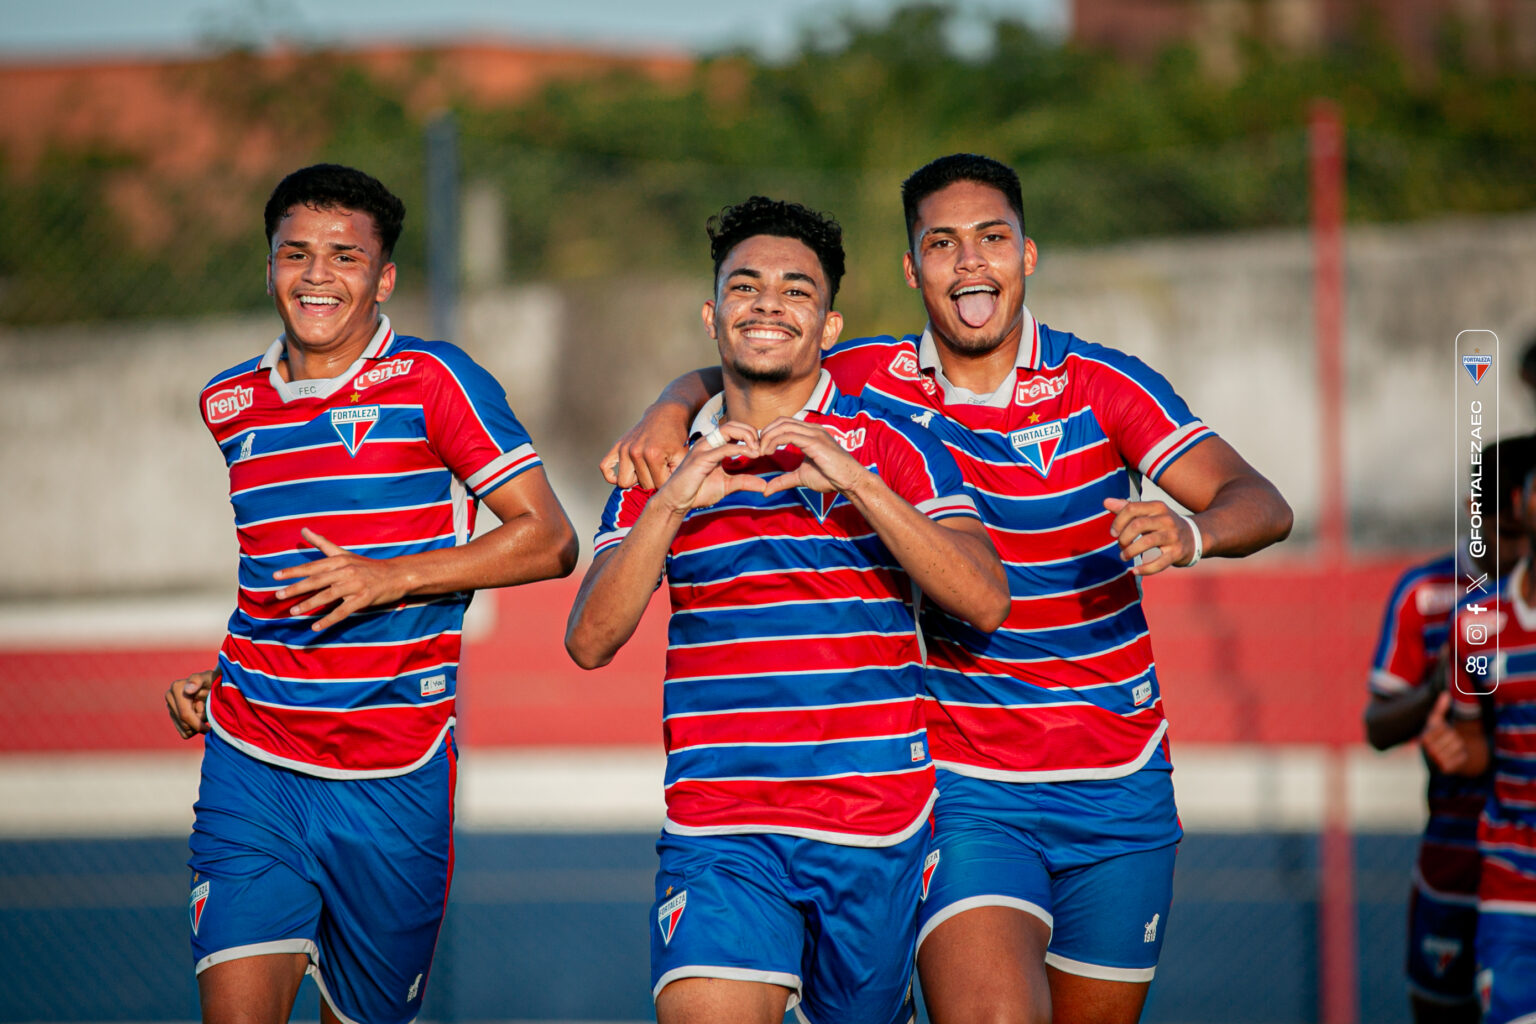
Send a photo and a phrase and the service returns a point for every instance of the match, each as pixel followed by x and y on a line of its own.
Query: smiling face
pixel 769 316
pixel 327 274
pixel 969 257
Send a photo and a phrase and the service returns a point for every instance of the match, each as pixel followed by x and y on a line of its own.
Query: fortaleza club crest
pixel 1477 366
pixel 196 904
pixel 353 423
pixel 1038 444
pixel 670 913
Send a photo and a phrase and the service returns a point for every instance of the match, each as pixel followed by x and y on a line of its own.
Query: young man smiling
pixel 357 457
pixel 791 536
pixel 1056 826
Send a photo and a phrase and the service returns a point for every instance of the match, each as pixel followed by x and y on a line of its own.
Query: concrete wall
pixel 109 483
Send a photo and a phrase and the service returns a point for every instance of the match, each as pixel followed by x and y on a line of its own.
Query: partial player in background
pixel 799 784
pixel 323 838
pixel 1407 675
pixel 1056 826
pixel 1484 724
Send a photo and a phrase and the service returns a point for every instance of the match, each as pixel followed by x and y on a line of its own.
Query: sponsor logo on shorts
pixel 1037 445
pixel 931 862
pixel 228 403
pixel 431 685
pixel 1485 988
pixel 1039 389
pixel 1149 933
pixel 382 372
pixel 196 904
pixel 1440 951
pixel 1142 691
pixel 670 913
pixel 905 366
pixel 353 424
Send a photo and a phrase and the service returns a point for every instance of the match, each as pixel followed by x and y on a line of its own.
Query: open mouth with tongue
pixel 975 303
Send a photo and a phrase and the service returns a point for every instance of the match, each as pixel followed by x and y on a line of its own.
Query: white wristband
pixel 1194 559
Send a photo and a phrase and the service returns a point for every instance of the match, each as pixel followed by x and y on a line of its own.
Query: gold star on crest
pixel 1034 417
pixel 355 397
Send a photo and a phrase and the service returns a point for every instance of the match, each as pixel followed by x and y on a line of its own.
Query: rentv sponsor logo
pixel 229 403
pixel 381 373
pixel 847 440
pixel 1038 389
pixel 905 366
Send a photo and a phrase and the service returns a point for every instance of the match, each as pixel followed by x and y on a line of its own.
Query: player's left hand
pixel 187 701
pixel 1151 529
pixel 344 579
pixel 826 466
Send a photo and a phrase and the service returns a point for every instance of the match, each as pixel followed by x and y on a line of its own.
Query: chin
pixel 762 374
pixel 977 341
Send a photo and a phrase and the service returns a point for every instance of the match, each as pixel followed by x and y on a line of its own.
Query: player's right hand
pixel 651 450
pixel 699 480
pixel 187 702
pixel 1442 743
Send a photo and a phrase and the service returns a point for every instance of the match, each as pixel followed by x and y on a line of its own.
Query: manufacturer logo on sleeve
pixel 1037 445
pixel 228 403
pixel 670 913
pixel 929 864
pixel 353 424
pixel 196 904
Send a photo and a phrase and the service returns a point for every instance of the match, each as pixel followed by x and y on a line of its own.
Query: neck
pixel 301 362
pixel 758 404
pixel 979 372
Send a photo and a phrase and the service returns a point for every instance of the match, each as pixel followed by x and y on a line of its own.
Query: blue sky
pixel 52 28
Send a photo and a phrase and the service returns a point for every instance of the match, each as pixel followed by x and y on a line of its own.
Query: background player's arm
pixel 1235 508
pixel 535 541
pixel 1459 747
pixel 952 560
pixel 1400 717
pixel 649 451
pixel 620 582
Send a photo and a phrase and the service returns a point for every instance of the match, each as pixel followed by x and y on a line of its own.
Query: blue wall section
pixel 554 927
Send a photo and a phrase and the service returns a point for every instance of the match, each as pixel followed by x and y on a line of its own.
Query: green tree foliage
pixel 618 174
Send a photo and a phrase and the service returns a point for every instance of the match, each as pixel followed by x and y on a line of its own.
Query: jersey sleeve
pixel 916 465
pixel 1401 662
pixel 1139 411
pixel 619 514
pixel 470 424
pixel 853 361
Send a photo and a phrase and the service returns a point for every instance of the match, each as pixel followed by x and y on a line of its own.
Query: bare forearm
pixel 1246 515
pixel 1398 719
pixel 617 588
pixel 523 549
pixel 959 571
pixel 693 389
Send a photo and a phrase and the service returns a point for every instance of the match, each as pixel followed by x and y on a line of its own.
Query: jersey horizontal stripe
pixel 853 810
pixel 380 460
pixel 1068 687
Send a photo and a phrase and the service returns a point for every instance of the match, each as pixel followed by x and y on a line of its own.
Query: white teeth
pixel 968 289
pixel 765 335
pixel 319 300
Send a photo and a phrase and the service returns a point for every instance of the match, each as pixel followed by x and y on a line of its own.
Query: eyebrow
pixel 757 275
pixel 995 222
pixel 299 243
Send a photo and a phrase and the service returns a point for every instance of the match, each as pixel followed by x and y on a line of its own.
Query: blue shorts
pixel 1506 967
pixel 836 925
pixel 1442 948
pixel 353 872
pixel 1092 859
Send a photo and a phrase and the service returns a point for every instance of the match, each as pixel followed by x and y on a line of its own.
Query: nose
pixel 768 302
pixel 317 270
pixel 969 255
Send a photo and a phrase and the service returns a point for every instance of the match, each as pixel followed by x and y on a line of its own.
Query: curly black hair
pixel 947 170
pixel 760 215
pixel 332 187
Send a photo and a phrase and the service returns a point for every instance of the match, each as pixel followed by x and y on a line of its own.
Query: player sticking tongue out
pixel 975 304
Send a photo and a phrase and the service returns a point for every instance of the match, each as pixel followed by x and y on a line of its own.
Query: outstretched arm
pixel 1236 510
pixel 620 582
pixel 651 449
pixel 535 541
pixel 952 560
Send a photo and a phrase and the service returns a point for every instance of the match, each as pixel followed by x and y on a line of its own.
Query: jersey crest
pixel 670 913
pixel 1037 445
pixel 352 425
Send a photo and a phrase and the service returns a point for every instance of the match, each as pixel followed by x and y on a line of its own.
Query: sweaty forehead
pixel 771 256
pixel 961 205
pixel 327 225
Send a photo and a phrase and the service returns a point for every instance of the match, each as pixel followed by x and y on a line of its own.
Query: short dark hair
pixel 760 215
pixel 1514 459
pixel 947 170
pixel 331 187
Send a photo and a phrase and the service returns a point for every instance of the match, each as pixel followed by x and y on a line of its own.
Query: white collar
pixel 287 390
pixel 1027 358
pixel 713 412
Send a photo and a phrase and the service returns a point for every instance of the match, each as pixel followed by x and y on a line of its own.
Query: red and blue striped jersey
pixel 792 696
pixel 387 459
pixel 1413 631
pixel 1496 683
pixel 1067 688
